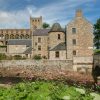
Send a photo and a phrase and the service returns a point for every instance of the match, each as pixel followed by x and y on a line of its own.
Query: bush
pixel 3 46
pixel 42 91
pixel 37 57
pixel 3 56
pixel 17 57
pixel 96 51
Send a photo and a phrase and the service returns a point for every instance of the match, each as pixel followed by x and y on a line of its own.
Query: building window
pixel 57 54
pixel 59 37
pixel 39 48
pixel 74 52
pixel 74 41
pixel 74 30
pixel 39 40
pixel 35 43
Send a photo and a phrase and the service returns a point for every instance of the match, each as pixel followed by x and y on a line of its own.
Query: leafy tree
pixel 46 25
pixel 97 34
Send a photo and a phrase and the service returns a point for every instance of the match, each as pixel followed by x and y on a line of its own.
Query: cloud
pixel 61 11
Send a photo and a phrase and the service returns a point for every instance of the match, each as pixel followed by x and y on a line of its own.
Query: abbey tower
pixel 35 22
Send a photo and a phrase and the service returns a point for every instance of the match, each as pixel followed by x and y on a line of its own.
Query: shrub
pixel 96 51
pixel 3 56
pixel 37 57
pixel 3 46
pixel 42 91
pixel 17 57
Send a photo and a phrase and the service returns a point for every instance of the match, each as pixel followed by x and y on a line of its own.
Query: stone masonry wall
pixel 48 64
pixel 2 50
pixel 83 37
pixel 44 46
pixel 83 64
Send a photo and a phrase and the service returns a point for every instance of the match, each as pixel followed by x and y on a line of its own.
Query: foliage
pixel 17 57
pixel 37 57
pixel 3 46
pixel 3 56
pixel 46 25
pixel 97 34
pixel 97 52
pixel 42 91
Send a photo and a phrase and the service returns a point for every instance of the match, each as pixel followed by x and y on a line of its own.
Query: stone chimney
pixel 79 13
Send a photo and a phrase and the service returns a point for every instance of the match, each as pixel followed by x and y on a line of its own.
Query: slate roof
pixel 60 46
pixel 41 32
pixel 56 28
pixel 26 42
pixel 28 51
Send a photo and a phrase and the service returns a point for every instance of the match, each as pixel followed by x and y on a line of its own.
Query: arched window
pixel 22 36
pixel 27 36
pixel 16 36
pixel 1 36
pixel 11 36
pixel 6 36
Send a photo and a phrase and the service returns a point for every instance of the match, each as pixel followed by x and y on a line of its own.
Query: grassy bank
pixel 42 91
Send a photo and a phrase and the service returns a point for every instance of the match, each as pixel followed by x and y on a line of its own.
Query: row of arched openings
pixel 16 36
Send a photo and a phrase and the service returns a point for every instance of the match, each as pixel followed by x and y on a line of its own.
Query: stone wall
pixel 83 36
pixel 48 64
pixel 62 55
pixel 84 64
pixel 16 49
pixel 96 59
pixel 53 39
pixel 44 46
pixel 3 50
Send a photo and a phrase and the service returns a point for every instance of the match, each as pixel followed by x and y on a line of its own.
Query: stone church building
pixel 75 42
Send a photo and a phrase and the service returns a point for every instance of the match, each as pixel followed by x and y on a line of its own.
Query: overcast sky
pixel 16 13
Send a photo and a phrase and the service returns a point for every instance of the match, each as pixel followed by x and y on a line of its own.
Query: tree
pixel 46 25
pixel 97 34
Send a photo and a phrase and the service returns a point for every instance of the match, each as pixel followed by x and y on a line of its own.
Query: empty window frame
pixel 74 41
pixel 39 48
pixel 73 30
pixel 57 54
pixel 74 52
pixel 59 37
pixel 39 40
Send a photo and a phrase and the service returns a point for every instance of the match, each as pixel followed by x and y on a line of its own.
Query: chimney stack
pixel 79 13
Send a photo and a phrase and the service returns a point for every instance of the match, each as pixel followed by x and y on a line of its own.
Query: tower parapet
pixel 35 23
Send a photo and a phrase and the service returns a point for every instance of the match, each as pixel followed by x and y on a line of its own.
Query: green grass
pixel 42 91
